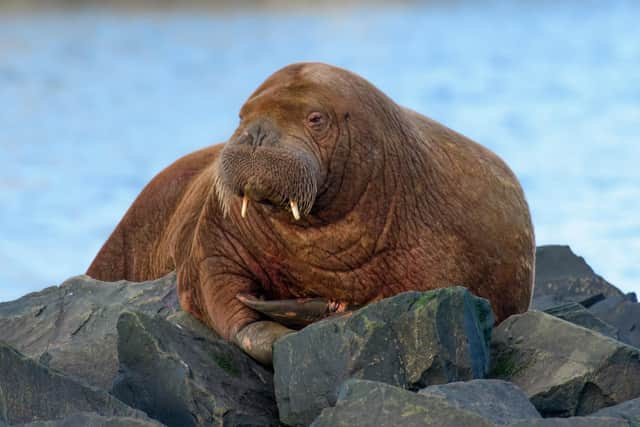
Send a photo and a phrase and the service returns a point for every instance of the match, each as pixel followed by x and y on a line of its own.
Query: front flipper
pixel 257 338
pixel 295 313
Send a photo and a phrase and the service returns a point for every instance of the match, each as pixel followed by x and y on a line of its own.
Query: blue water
pixel 93 104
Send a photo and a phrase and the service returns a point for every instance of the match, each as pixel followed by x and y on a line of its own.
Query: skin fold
pixel 328 196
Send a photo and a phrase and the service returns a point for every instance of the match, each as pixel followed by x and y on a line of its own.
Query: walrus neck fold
pixel 363 199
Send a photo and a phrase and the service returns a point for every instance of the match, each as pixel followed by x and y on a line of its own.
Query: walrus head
pixel 275 155
pixel 306 140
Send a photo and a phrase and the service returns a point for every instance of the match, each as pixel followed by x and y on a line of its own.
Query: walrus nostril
pixel 260 138
pixel 260 133
pixel 256 135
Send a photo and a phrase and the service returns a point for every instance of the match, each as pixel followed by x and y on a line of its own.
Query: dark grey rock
pixel 559 261
pixel 411 340
pixel 496 400
pixel 235 419
pixel 94 420
pixel 30 391
pixel 577 314
pixel 571 422
pixel 629 410
pixel 607 304
pixel 370 403
pixel 589 301
pixel 186 378
pixel 72 327
pixel 562 276
pixel 622 313
pixel 565 369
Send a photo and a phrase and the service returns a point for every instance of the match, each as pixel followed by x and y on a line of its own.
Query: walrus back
pixel 487 210
pixel 131 252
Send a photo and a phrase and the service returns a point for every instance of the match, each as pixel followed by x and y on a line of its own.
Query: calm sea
pixel 94 103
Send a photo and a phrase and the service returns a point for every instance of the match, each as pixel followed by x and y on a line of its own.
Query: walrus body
pixel 387 200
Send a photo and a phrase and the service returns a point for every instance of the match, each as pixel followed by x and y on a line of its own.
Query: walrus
pixel 328 196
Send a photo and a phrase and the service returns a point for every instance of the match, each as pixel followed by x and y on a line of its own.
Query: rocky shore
pixel 90 353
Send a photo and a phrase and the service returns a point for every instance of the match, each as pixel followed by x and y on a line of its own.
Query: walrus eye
pixel 315 120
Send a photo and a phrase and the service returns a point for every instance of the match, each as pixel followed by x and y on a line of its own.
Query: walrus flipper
pixel 295 313
pixel 257 338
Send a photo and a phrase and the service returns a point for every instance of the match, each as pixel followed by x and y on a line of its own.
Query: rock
pixel 589 301
pixel 565 369
pixel 72 327
pixel 629 410
pixel 577 314
pixel 562 277
pixel 571 422
pixel 370 403
pixel 499 401
pixel 411 340
pixel 186 378
pixel 94 420
pixel 30 391
pixel 622 313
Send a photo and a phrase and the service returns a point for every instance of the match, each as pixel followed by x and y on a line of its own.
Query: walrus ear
pixel 346 116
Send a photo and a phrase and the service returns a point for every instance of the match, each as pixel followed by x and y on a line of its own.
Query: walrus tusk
pixel 294 209
pixel 245 205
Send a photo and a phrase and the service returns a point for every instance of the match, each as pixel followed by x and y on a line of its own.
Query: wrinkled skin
pixel 388 201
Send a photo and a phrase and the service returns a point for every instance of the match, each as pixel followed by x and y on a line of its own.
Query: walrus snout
pixel 258 166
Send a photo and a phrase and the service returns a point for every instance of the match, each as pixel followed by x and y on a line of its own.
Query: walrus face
pixel 277 154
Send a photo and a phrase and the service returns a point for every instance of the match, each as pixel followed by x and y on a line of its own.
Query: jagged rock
pixel 370 403
pixel 185 378
pixel 72 327
pixel 571 422
pixel 629 410
pixel 565 369
pixel 622 313
pixel 499 401
pixel 94 420
pixel 577 314
pixel 562 277
pixel 589 301
pixel 30 391
pixel 411 340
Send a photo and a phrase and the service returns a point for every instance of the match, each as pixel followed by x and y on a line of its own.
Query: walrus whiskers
pixel 281 177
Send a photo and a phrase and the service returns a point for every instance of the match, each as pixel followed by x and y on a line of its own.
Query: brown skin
pixel 390 201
